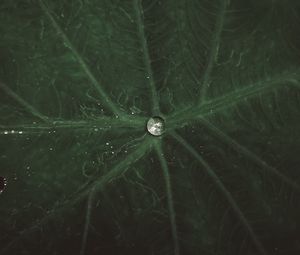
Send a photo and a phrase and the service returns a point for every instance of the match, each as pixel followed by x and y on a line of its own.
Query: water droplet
pixel 3 183
pixel 156 126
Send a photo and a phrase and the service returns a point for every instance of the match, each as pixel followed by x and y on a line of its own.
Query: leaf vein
pixel 170 200
pixel 146 56
pixel 241 148
pixel 215 42
pixel 223 190
pixel 84 191
pixel 96 84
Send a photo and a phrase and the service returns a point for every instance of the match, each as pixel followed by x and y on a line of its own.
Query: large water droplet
pixel 156 126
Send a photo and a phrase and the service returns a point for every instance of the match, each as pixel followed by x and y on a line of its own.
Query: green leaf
pixel 80 79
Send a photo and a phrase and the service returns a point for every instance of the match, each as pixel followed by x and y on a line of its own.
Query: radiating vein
pixel 212 57
pixel 87 221
pixel 170 200
pixel 96 84
pixel 230 99
pixel 22 102
pixel 242 149
pixel 146 56
pixel 223 190
pixel 98 183
pixel 101 123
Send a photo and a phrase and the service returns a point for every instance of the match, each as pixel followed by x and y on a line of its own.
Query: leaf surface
pixel 79 80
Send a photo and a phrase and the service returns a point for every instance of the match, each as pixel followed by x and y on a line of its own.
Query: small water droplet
pixel 3 183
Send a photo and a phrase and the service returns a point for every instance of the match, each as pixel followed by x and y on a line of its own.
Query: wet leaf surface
pixel 80 81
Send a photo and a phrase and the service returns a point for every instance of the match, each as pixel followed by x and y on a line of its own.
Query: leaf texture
pixel 79 80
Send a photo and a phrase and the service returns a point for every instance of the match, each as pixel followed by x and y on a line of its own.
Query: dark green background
pixel 78 81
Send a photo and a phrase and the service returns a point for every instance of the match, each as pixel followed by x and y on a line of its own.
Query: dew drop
pixel 2 183
pixel 156 126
